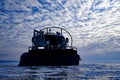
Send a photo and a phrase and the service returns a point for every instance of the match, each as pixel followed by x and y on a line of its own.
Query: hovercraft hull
pixel 49 57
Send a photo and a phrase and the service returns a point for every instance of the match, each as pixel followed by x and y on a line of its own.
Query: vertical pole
pixel 61 31
pixel 47 30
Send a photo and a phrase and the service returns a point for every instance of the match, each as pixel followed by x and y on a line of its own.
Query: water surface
pixel 97 71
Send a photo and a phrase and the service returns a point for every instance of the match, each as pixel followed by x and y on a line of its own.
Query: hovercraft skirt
pixel 49 57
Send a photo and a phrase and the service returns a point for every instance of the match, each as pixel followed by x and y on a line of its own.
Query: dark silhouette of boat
pixel 50 47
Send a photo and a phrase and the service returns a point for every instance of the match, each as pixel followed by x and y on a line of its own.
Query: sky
pixel 94 25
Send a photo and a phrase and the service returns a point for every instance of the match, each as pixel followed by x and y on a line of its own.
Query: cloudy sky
pixel 94 25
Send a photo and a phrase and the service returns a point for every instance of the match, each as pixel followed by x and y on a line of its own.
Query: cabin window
pixel 50 40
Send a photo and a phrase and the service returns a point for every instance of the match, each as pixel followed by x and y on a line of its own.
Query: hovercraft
pixel 50 47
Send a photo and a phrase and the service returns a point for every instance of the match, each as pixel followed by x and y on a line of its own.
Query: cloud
pixel 94 25
pixel 109 57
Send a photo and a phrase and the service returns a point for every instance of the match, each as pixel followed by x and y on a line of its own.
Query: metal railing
pixel 50 47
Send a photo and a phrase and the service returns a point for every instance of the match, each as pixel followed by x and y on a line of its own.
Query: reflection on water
pixel 81 72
